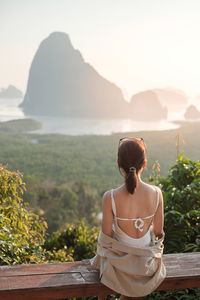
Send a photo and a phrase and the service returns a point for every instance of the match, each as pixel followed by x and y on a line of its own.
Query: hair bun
pixel 132 169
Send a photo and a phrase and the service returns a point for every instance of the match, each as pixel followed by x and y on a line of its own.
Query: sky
pixel 136 44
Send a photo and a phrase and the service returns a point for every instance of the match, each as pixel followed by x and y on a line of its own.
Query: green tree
pixel 181 193
pixel 88 202
pixel 21 231
pixel 78 241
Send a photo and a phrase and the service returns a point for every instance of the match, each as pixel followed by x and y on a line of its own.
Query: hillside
pixel 92 158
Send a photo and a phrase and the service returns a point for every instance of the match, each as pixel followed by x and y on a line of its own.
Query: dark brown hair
pixel 131 157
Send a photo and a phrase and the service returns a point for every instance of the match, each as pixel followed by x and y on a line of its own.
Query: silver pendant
pixel 140 225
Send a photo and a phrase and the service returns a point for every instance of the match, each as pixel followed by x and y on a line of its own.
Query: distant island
pixel 61 83
pixel 11 92
pixel 173 99
pixel 148 103
pixel 192 113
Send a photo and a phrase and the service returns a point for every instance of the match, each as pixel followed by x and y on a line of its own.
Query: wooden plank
pixel 41 281
pixel 56 293
pixel 177 265
pixel 173 268
pixel 46 268
pixel 179 283
pixel 182 265
pixel 79 279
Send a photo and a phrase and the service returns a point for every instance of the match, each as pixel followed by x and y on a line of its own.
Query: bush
pixel 79 242
pixel 181 193
pixel 21 231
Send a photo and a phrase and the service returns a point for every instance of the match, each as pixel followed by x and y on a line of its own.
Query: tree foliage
pixel 67 203
pixel 21 231
pixel 181 191
pixel 78 241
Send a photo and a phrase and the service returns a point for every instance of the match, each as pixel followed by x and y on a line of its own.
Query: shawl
pixel 128 270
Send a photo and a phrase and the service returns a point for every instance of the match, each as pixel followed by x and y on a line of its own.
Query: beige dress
pixel 128 270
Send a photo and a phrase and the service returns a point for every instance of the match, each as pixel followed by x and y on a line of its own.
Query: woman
pixel 128 255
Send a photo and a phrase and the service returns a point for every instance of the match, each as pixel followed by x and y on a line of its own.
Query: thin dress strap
pixel 157 200
pixel 157 203
pixel 113 203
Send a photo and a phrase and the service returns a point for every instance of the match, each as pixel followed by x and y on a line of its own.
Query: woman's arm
pixel 158 221
pixel 107 217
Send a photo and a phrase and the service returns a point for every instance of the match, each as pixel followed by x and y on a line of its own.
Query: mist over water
pixel 195 101
pixel 9 110
pixel 81 126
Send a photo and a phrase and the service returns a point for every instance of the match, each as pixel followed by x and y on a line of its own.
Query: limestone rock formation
pixel 11 92
pixel 173 99
pixel 61 83
pixel 192 113
pixel 146 106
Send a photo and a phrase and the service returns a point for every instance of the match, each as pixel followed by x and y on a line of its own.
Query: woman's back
pixel 130 216
pixel 129 213
pixel 130 209
pixel 135 213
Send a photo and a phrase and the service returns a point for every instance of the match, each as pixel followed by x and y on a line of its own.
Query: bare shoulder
pixel 152 188
pixel 106 200
pixel 158 190
pixel 107 214
pixel 160 196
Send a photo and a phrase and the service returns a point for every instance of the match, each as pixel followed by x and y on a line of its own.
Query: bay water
pixel 9 110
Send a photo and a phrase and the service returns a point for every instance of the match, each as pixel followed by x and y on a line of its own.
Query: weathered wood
pixel 46 268
pixel 79 279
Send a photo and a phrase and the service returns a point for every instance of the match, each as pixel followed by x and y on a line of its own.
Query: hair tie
pixel 132 169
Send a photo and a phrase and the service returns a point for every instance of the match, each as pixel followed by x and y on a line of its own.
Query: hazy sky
pixel 137 44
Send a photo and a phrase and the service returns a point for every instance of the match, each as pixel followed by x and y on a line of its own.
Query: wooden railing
pixel 79 279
